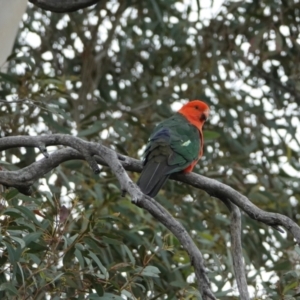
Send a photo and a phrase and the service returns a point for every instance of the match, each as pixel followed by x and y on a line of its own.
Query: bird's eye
pixel 196 107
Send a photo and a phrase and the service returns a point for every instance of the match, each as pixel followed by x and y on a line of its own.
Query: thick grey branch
pixel 42 142
pixel 162 215
pixel 28 175
pixel 223 191
pixel 63 6
pixel 93 152
pixel 36 170
pixel 178 230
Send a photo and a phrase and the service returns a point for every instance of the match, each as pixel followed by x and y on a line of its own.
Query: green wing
pixel 173 146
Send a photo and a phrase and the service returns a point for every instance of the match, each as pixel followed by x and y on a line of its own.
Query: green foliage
pixel 109 73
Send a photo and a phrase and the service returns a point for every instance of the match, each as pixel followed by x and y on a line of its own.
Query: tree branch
pixel 96 153
pixel 27 176
pixel 221 191
pixel 64 6
pixel 236 249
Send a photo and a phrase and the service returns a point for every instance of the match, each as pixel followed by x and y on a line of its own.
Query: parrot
pixel 175 145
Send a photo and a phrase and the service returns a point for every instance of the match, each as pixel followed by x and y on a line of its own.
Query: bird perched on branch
pixel 175 145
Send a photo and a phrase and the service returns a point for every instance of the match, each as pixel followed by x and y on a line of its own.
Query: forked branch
pixel 96 154
pixel 80 149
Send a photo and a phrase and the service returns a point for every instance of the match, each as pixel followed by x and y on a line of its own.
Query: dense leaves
pixel 109 73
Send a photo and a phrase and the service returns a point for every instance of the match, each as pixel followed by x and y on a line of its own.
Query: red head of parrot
pixel 175 145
